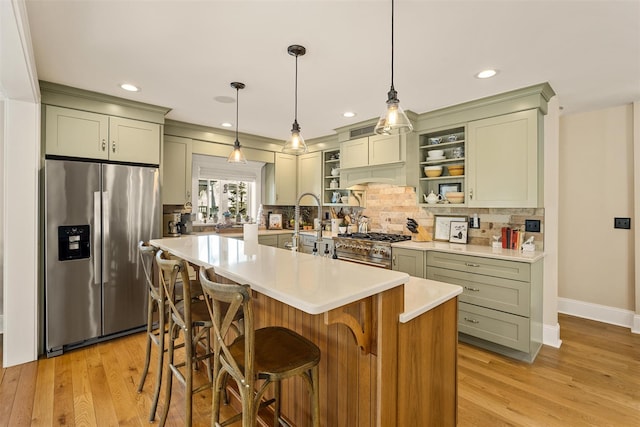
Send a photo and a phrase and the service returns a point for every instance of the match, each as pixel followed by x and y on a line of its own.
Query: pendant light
pixel 393 121
pixel 295 144
pixel 237 156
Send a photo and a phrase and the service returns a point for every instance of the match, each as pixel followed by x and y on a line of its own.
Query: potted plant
pixel 342 227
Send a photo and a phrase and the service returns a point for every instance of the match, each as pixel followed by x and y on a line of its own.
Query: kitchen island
pixel 377 369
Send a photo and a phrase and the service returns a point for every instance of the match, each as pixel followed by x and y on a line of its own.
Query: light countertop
pixel 309 283
pixel 475 250
pixel 421 295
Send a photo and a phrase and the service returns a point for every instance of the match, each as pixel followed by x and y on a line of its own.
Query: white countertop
pixel 421 295
pixel 309 283
pixel 475 250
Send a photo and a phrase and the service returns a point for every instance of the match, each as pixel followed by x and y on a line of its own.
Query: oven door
pixel 365 261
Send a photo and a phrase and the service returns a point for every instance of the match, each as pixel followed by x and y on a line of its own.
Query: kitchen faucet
pixel 296 230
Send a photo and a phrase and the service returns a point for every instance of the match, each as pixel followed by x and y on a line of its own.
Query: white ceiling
pixel 183 54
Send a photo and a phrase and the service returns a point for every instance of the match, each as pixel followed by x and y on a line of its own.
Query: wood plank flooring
pixel 592 380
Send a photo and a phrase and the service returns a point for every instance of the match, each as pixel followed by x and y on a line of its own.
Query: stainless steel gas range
pixel 367 248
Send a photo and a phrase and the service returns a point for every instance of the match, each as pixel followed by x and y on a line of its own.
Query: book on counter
pixel 511 238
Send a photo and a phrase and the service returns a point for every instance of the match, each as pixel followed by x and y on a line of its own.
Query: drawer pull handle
pixel 470 264
pixel 472 289
pixel 471 320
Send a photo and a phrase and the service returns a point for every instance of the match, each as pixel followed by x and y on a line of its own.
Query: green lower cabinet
pixel 408 261
pixel 500 308
pixel 268 240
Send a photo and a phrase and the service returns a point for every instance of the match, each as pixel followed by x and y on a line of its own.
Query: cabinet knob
pixel 469 264
pixel 472 289
pixel 113 146
pixel 104 145
pixel 393 260
pixel 471 194
pixel 471 320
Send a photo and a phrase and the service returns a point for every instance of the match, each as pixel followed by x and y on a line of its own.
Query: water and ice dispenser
pixel 74 242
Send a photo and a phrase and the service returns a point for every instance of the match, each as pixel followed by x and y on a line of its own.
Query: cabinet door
pixel 503 161
pixel 134 141
pixel 408 261
pixel 285 179
pixel 354 153
pixel 384 149
pixel 176 170
pixel 283 240
pixel 270 240
pixel 76 133
pixel 310 177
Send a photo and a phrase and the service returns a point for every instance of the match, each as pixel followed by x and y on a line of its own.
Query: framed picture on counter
pixel 458 232
pixel 275 222
pixel 442 226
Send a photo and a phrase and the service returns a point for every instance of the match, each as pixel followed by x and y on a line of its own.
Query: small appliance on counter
pixel 170 222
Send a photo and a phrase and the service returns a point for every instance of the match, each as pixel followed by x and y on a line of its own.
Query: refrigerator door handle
pixel 106 218
pixel 97 244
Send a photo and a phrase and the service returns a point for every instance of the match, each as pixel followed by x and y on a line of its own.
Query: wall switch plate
pixel 622 223
pixel 532 225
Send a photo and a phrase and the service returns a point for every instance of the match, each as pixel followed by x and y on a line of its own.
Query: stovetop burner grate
pixel 377 237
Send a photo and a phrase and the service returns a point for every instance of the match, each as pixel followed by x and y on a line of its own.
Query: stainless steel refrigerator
pixel 95 216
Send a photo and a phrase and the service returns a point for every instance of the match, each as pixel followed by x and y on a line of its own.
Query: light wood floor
pixel 592 380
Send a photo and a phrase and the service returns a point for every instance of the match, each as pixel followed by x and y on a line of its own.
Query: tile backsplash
pixel 388 208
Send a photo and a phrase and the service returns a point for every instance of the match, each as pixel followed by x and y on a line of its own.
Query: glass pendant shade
pixel 295 144
pixel 237 156
pixel 393 121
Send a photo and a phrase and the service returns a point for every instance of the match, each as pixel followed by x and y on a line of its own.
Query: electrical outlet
pixel 622 223
pixel 532 225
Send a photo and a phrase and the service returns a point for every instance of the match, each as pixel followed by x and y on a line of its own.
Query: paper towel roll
pixel 250 232
pixel 334 225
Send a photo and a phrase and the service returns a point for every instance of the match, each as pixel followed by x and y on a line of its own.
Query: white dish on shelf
pixel 429 159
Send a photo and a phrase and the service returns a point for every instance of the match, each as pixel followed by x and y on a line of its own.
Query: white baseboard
pixel 551 335
pixel 636 324
pixel 600 313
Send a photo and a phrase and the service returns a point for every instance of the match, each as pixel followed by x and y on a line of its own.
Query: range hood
pixel 392 174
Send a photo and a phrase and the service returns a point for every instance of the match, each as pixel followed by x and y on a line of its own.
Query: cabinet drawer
pixel 506 295
pixel 478 265
pixel 501 328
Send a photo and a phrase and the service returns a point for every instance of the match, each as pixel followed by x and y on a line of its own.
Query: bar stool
pixel 271 354
pixel 155 302
pixel 190 318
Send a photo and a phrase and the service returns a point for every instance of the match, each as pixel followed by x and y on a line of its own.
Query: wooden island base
pixel 408 378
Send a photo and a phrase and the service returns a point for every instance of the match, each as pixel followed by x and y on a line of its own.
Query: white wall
pixel 551 328
pixel 20 129
pixel 596 261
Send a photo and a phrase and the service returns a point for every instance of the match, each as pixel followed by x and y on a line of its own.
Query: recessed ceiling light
pixel 348 114
pixel 226 125
pixel 129 87
pixel 485 74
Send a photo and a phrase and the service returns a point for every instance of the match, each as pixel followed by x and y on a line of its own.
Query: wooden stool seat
pixel 279 352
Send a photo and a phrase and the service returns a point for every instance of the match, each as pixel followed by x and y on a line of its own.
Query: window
pixel 221 189
pixel 219 197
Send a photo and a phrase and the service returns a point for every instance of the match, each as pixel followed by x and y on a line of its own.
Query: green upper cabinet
pixel 76 133
pixel 504 161
pixel 280 180
pixel 372 151
pixel 176 170
pixel 310 177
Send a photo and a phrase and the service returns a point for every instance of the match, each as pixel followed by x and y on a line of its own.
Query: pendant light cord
pixel 295 116
pixel 392 32
pixel 237 107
